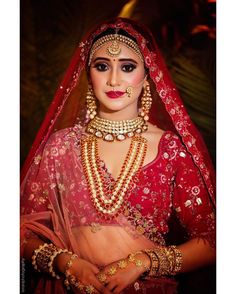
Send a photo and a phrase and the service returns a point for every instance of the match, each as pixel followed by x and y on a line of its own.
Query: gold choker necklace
pixel 110 130
pixel 109 204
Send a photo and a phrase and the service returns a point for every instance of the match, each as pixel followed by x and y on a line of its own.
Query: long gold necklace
pixel 105 205
pixel 116 130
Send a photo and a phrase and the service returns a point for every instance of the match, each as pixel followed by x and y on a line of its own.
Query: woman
pixel 102 182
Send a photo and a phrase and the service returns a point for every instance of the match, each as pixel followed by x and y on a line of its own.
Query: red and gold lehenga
pixel 55 201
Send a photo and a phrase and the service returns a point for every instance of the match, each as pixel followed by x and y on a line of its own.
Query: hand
pixel 85 272
pixel 120 274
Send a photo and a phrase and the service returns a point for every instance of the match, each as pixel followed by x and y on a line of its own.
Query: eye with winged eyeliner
pixel 102 64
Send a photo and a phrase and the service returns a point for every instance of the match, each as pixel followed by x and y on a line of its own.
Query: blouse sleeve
pixel 191 200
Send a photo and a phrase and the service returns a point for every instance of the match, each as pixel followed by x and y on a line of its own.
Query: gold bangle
pixel 50 264
pixel 35 254
pixel 154 268
pixel 164 261
pixel 178 259
pixel 41 256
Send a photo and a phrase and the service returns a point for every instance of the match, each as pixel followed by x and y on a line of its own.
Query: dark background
pixel 50 31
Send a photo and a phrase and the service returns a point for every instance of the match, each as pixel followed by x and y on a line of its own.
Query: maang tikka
pixel 91 102
pixel 146 102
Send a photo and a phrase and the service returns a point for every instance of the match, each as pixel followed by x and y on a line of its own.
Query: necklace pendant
pixel 109 138
pixel 130 134
pixel 98 134
pixel 120 137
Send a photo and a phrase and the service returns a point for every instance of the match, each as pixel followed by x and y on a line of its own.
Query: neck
pixel 118 115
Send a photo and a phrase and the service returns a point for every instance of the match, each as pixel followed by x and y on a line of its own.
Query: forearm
pixel 196 253
pixel 30 246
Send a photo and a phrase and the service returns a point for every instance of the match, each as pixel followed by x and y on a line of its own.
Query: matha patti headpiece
pixel 114 49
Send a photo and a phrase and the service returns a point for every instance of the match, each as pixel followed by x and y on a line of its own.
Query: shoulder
pixel 170 144
pixel 153 134
pixel 167 138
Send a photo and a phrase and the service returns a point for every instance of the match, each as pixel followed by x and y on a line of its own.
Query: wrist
pixel 141 260
pixel 60 262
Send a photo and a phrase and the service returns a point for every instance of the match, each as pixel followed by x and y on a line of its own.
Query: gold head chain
pixel 114 48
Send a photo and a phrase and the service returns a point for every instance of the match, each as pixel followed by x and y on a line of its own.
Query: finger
pixel 111 285
pixel 95 270
pixel 118 289
pixel 100 287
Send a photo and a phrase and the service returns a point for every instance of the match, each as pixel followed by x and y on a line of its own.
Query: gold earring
pixel 91 102
pixel 146 102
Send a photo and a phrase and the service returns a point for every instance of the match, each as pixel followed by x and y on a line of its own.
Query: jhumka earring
pixel 146 102
pixel 91 103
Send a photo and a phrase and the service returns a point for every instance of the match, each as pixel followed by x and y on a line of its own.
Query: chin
pixel 113 104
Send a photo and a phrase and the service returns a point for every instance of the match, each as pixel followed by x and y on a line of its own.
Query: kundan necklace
pixel 110 130
pixel 110 205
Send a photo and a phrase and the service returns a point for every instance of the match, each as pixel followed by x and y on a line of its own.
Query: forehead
pixel 125 52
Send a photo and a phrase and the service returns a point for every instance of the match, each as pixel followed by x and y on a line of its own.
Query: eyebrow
pixel 121 59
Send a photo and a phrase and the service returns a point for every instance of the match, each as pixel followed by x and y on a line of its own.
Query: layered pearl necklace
pixel 116 130
pixel 110 205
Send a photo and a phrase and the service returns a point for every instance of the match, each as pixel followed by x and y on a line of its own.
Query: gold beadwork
pixel 114 49
pixel 122 264
pixel 102 277
pixel 146 102
pixel 89 289
pixel 112 271
pixel 116 130
pixel 110 206
pixel 91 102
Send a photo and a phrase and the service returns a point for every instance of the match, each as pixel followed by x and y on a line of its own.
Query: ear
pixel 145 81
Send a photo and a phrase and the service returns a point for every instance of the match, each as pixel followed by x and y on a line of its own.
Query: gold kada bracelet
pixel 44 256
pixel 164 261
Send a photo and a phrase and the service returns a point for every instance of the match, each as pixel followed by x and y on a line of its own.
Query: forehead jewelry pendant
pixel 114 49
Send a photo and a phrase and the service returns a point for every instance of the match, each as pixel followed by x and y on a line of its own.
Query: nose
pixel 113 79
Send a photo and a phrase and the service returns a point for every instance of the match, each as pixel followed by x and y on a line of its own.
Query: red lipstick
pixel 114 94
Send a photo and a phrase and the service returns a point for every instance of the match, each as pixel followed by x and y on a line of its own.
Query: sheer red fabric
pixel 55 203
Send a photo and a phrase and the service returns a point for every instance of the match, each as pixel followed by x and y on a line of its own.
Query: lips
pixel 114 94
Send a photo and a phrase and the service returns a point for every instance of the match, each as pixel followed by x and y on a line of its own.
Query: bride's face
pixel 111 76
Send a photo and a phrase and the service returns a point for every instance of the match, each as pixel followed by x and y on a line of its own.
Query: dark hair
pixel 111 31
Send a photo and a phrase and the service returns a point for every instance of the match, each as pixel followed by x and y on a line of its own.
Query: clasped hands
pixel 84 277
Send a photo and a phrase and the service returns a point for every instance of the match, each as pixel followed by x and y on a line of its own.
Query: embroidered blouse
pixel 171 183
